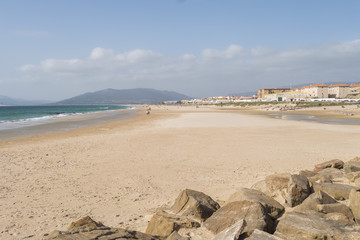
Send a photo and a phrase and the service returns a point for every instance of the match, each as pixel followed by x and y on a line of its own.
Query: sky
pixel 56 49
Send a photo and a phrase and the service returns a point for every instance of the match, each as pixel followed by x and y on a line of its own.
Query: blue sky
pixel 61 48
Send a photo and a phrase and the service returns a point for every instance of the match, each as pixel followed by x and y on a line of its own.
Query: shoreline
pixel 67 123
pixel 119 172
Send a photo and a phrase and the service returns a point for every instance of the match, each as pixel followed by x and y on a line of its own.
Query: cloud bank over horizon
pixel 208 73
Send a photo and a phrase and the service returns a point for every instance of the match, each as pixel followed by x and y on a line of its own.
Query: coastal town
pixel 314 92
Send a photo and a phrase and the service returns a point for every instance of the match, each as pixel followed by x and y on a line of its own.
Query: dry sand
pixel 120 172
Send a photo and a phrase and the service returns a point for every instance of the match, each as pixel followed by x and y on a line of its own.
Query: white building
pixel 339 90
pixel 315 91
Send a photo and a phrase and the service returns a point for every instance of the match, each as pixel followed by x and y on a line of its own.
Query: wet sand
pixel 67 123
pixel 121 171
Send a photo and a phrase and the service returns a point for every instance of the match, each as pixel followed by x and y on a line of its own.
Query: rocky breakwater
pixel 319 204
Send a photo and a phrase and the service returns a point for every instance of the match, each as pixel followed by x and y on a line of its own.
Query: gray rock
pixel 298 190
pixel 253 213
pixel 352 165
pixel 194 204
pixel 355 204
pixel 163 223
pixel 272 207
pixel 296 225
pixel 261 235
pixel 233 232
pixel 337 191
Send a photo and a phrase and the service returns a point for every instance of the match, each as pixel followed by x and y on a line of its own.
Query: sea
pixel 16 121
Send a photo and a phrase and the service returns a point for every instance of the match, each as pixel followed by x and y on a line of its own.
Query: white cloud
pixel 98 53
pixel 213 72
pixel 138 56
pixel 232 51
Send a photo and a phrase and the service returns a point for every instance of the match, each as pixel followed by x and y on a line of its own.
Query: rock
pixel 337 191
pixel 336 163
pixel 176 236
pixel 253 213
pixel 274 186
pixel 307 173
pixel 103 233
pixel 339 217
pixel 277 181
pixel 357 182
pixel 298 190
pixel 163 224
pixel 314 200
pixel 232 232
pixel 261 235
pixel 327 175
pixel 352 166
pixel 336 207
pixel 296 225
pixel 355 204
pixel 272 207
pixel 194 204
pixel 86 221
pixel 353 176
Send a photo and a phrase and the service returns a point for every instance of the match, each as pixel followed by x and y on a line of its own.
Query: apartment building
pixel 315 91
pixel 339 90
pixel 267 91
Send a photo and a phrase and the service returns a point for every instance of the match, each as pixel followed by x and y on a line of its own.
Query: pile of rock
pixel 319 204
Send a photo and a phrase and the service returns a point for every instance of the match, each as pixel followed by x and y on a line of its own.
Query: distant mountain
pixel 4 100
pixel 125 96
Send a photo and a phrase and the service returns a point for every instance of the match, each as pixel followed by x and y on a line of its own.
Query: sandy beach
pixel 119 172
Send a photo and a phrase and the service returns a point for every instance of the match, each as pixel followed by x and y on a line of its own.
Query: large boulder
pixel 272 207
pixel 353 176
pixel 177 236
pixel 336 207
pixel 307 173
pixel 314 200
pixel 253 213
pixel 296 225
pixel 194 204
pixel 353 165
pixel 261 235
pixel 355 204
pixel 337 191
pixel 336 163
pixel 233 232
pixel 339 217
pixel 298 189
pixel 85 221
pixel 163 223
pixel 275 186
pixel 327 175
pixel 103 233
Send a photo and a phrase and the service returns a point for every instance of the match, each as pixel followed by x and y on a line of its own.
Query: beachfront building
pixel 286 96
pixel 339 90
pixel 262 93
pixel 314 91
pixel 354 91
